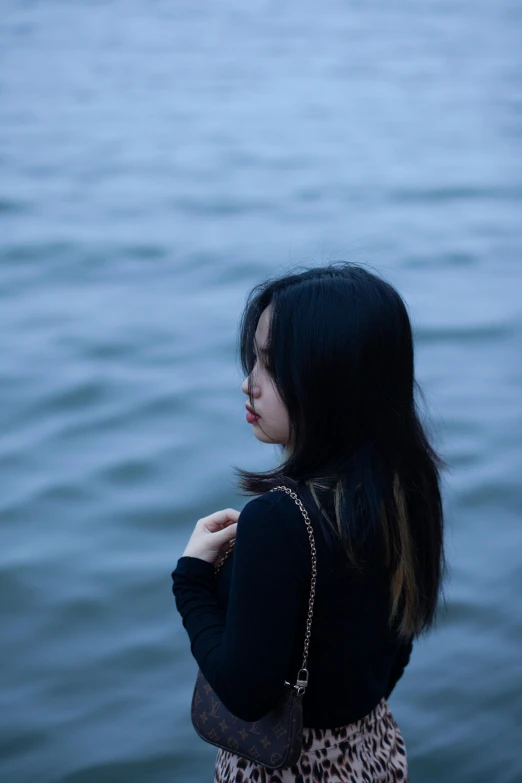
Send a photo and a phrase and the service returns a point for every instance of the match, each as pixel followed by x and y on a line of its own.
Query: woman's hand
pixel 212 535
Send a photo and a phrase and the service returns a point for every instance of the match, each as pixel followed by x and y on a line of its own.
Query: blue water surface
pixel 157 159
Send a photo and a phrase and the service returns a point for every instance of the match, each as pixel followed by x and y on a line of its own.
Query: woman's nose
pixel 244 388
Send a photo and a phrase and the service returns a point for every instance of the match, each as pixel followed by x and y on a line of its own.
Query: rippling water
pixel 156 160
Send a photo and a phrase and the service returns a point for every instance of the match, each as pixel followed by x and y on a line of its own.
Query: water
pixel 156 160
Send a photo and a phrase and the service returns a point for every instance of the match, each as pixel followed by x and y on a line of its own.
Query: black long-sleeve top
pixel 247 622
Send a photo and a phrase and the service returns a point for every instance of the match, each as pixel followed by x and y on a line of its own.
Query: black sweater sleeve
pixel 244 653
pixel 401 661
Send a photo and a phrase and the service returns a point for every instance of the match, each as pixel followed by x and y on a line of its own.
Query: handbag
pixel 276 739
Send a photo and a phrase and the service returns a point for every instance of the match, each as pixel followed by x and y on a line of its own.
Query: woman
pixel 328 355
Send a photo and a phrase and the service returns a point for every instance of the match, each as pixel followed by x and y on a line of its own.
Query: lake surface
pixel 157 159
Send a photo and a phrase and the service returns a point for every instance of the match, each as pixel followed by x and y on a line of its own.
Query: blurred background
pixel 157 159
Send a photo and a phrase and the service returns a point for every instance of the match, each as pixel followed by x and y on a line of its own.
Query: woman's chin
pixel 264 438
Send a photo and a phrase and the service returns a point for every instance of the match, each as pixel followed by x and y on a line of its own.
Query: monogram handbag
pixel 276 739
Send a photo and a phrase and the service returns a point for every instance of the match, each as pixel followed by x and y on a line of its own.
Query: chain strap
pixel 301 681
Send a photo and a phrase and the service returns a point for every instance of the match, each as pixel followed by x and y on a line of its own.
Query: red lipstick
pixel 251 417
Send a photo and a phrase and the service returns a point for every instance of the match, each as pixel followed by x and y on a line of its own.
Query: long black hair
pixel 340 353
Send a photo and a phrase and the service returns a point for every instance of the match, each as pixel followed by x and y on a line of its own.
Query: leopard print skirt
pixel 370 750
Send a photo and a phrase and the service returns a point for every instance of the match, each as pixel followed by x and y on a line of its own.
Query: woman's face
pixel 272 423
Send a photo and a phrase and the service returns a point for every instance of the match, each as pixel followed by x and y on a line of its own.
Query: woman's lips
pixel 251 417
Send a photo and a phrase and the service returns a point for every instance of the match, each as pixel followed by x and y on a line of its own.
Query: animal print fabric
pixel 370 750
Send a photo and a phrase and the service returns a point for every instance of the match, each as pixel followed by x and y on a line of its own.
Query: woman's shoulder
pixel 276 512
pixel 275 500
pixel 271 527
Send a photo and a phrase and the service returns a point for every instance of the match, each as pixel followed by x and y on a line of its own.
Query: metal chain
pixel 303 681
pixel 229 550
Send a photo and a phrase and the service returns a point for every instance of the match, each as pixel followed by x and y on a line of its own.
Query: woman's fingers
pixel 219 519
pixel 227 533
